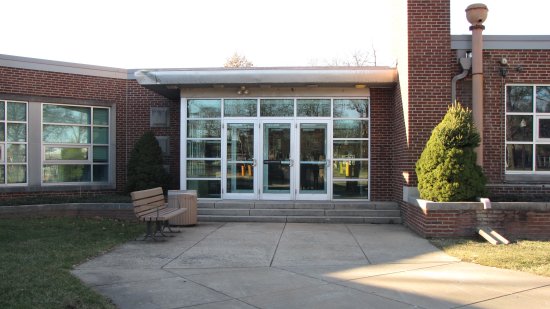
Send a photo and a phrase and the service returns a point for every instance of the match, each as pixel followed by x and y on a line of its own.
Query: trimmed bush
pixel 145 167
pixel 447 169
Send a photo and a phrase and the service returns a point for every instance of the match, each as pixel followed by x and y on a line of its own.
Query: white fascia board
pixel 375 75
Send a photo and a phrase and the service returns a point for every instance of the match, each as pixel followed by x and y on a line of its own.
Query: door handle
pixel 254 162
pixel 291 162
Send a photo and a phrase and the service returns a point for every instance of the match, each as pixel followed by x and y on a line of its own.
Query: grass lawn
pixel 524 255
pixel 36 256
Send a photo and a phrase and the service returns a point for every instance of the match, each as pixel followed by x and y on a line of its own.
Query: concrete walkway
pixel 295 265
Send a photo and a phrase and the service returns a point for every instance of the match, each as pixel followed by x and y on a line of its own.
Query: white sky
pixel 204 33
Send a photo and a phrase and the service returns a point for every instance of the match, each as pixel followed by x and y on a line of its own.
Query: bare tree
pixel 237 61
pixel 357 58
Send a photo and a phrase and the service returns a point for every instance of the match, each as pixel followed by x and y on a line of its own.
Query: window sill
pixel 57 188
pixel 527 178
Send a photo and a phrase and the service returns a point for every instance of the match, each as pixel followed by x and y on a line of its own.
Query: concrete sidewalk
pixel 295 265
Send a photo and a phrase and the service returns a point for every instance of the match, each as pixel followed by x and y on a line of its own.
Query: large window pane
pixel 65 153
pixel 543 99
pixel 17 111
pixel 544 128
pixel 16 153
pixel 203 168
pixel 203 149
pixel 350 169
pixel 101 116
pixel 66 173
pixel 240 141
pixel 277 107
pixel 240 178
pixel 203 128
pixel 350 189
pixel 351 108
pixel 313 107
pixel 101 154
pixel 204 108
pixel 350 128
pixel 66 134
pixel 205 188
pixel 101 135
pixel 16 173
pixel 519 157
pixel 519 128
pixel 2 174
pixel 543 157
pixel 240 108
pixel 66 114
pixel 17 132
pixel 2 132
pixel 351 149
pixel 101 173
pixel 2 110
pixel 519 99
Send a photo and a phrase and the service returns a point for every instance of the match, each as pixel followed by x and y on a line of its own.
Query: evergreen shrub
pixel 145 167
pixel 447 169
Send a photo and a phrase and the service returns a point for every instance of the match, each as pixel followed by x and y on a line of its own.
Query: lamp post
pixel 476 15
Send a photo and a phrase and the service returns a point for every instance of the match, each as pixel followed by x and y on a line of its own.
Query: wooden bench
pixel 150 207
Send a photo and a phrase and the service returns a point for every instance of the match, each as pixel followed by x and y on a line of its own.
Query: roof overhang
pixel 168 82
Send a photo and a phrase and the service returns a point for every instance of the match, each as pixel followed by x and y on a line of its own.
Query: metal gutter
pixel 329 76
pixel 503 42
pixel 63 67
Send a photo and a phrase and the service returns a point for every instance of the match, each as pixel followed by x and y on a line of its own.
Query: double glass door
pixel 276 159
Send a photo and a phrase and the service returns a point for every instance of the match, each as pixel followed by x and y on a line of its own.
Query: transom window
pixel 13 143
pixel 528 128
pixel 75 141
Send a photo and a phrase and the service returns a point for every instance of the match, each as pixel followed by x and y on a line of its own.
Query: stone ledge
pixel 68 209
pixel 426 205
pixel 429 205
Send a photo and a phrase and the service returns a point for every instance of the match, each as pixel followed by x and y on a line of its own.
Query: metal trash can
pixel 183 199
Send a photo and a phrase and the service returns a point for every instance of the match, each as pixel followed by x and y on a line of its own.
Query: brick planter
pixel 517 220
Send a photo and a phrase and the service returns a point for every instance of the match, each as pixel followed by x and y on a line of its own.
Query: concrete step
pixel 344 205
pixel 300 219
pixel 299 211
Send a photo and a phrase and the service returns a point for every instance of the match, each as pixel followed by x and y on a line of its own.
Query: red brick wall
pixel 536 70
pixel 431 68
pixel 132 103
pixel 381 144
pixel 511 223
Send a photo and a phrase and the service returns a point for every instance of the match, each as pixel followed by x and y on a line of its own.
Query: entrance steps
pixel 299 211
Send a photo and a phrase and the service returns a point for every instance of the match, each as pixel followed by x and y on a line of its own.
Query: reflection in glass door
pixel 241 161
pixel 313 161
pixel 277 161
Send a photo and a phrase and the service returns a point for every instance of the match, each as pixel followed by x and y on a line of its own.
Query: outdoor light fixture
pixel 503 67
pixel 243 90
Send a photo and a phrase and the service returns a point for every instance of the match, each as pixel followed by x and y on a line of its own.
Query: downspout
pixel 466 64
pixel 476 15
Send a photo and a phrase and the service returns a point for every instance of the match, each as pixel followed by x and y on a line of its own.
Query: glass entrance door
pixel 313 155
pixel 240 163
pixel 277 161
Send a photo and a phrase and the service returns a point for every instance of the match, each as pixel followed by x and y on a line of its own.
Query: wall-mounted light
pixel 243 90
pixel 505 66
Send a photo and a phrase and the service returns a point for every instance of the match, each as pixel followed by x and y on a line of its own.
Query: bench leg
pixel 150 233
pixel 167 226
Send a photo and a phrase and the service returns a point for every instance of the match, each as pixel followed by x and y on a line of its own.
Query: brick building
pixel 323 134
